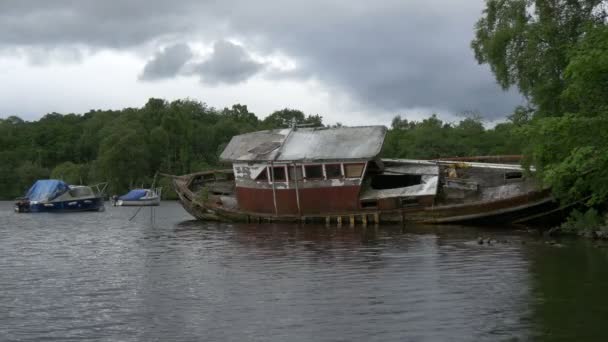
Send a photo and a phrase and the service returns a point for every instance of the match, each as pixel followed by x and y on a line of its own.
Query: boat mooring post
pixel 136 212
pixel 152 215
pixel 295 180
pixel 274 191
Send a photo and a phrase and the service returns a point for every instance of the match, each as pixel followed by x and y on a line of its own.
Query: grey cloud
pixel 390 54
pixel 167 62
pixel 228 64
pixel 391 57
pixel 97 24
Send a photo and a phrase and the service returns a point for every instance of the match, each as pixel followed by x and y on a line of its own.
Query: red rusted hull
pixel 504 211
pixel 312 201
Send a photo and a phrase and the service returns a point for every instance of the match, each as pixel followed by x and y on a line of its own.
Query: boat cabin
pixel 320 173
pixel 302 171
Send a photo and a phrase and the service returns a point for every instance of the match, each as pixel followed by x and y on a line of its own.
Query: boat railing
pixel 506 159
pixel 158 191
pixel 100 188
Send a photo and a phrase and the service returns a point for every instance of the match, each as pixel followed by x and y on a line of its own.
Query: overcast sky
pixel 351 61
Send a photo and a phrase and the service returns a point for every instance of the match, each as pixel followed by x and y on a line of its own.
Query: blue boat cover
pixel 46 190
pixel 133 195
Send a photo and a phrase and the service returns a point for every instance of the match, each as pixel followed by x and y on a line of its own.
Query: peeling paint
pixel 427 188
pixel 307 144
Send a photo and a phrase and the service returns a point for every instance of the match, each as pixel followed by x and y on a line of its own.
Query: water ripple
pixel 98 276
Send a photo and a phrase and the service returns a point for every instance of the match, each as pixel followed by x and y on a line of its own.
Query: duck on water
pixel 52 195
pixel 323 174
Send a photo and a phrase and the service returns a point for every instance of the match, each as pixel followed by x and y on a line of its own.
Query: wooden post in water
pixel 364 220
pixel 295 180
pixel 274 191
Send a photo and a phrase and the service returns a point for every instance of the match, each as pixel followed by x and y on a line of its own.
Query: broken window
pixel 333 171
pixel 353 170
pixel 367 204
pixel 263 176
pixel 513 175
pixel 314 171
pixel 380 182
pixel 295 172
pixel 279 174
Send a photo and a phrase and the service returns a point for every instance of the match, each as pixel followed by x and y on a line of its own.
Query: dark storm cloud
pixel 96 24
pixel 167 62
pixel 228 64
pixel 391 55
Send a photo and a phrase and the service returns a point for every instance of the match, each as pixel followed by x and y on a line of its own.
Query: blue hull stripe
pixel 91 204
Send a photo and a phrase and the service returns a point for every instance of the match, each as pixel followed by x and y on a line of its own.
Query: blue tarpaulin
pixel 46 190
pixel 133 195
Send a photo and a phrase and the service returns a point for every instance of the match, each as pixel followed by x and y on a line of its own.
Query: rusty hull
pixel 500 211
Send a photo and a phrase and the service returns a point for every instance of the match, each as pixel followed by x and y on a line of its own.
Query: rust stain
pixel 312 200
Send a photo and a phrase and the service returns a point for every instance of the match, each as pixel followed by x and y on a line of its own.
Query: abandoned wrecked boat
pixel 52 195
pixel 322 174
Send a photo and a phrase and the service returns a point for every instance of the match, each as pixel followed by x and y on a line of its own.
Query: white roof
pixel 307 144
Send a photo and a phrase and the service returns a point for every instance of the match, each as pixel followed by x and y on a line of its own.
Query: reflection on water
pixel 569 287
pixel 99 276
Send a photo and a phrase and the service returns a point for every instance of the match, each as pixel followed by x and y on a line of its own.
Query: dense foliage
pixel 556 53
pixel 127 147
pixel 433 138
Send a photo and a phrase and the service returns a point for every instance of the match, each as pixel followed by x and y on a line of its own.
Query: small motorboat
pixel 140 198
pixel 52 195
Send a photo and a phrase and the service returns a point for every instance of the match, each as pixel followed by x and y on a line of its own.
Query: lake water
pixel 101 277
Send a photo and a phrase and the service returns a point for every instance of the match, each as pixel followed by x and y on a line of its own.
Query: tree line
pixel 127 147
pixel 124 147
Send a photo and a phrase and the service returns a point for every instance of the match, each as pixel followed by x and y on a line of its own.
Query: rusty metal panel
pixel 312 200
pixel 255 200
pixel 388 203
pixel 287 203
pixel 330 199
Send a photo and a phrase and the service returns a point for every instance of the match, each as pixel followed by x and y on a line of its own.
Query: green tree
pixel 555 52
pixel 526 44
pixel 240 114
pixel 284 118
pixel 71 173
pixel 586 76
pixel 29 173
pixel 124 158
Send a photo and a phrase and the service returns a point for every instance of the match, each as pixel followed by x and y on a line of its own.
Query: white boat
pixel 140 198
